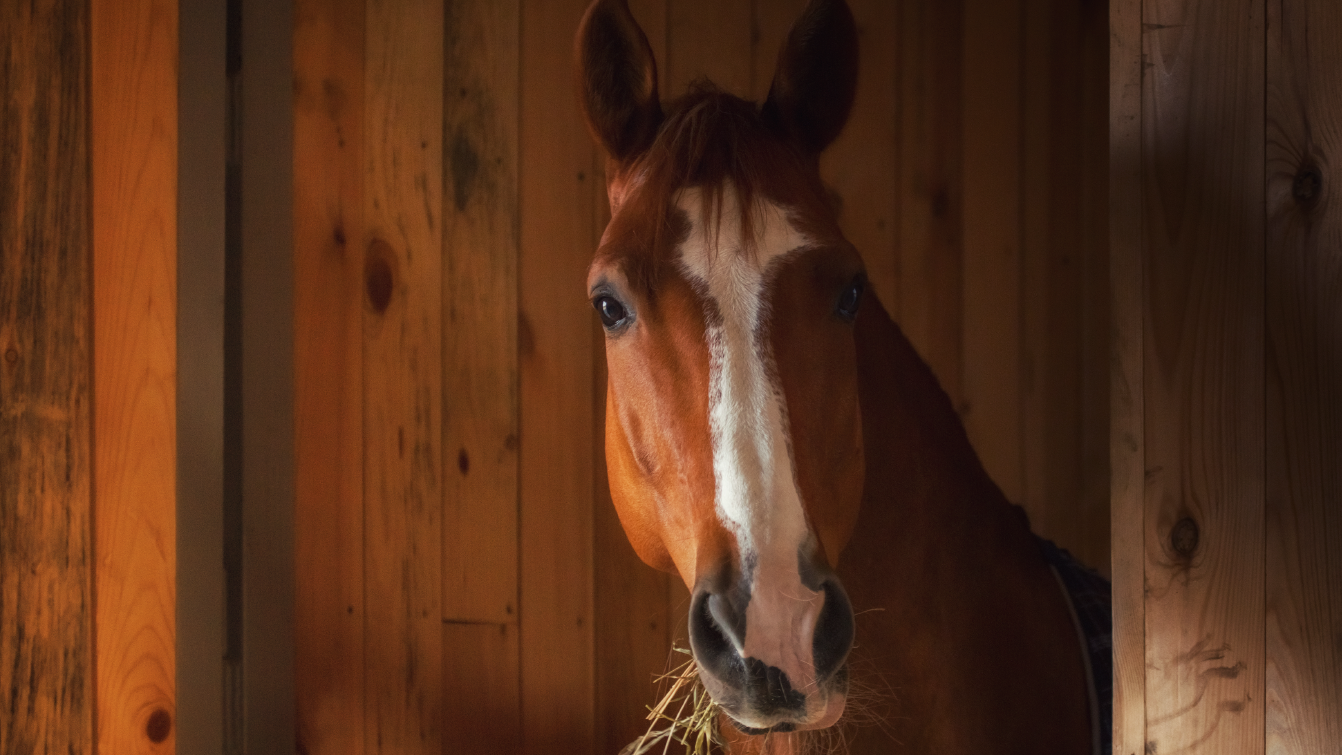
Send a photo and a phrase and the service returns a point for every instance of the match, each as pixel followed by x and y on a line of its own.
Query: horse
pixel 773 438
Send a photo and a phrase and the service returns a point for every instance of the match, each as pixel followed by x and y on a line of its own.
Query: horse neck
pixel 922 471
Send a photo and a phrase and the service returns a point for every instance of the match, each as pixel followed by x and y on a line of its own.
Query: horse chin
pixel 822 711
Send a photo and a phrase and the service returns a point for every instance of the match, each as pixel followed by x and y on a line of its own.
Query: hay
pixel 693 726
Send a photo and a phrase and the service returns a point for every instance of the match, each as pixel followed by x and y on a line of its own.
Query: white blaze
pixel 756 491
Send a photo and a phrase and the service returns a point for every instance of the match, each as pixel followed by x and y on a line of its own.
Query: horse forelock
pixel 711 140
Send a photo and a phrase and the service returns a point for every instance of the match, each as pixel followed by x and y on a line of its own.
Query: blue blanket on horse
pixel 1089 595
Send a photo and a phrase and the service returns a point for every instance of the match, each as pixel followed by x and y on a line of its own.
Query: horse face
pixel 733 431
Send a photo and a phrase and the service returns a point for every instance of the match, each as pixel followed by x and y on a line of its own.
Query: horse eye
pixel 611 311
pixel 849 300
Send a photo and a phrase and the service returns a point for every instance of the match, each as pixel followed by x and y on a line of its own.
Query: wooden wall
pixel 87 383
pixel 1228 356
pixel 463 583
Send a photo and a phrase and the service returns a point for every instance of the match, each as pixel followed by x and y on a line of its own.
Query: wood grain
pixel 480 312
pixel 992 237
pixel 1064 320
pixel 482 706
pixel 46 557
pixel 1127 433
pixel 402 378
pixel 929 273
pixel 477 660
pixel 708 39
pixel 1202 194
pixel 328 375
pixel 134 173
pixel 555 346
pixel 1304 370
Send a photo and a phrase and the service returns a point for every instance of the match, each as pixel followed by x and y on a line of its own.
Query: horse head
pixel 728 295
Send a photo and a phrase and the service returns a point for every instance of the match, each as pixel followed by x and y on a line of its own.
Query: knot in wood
pixel 158 726
pixel 379 277
pixel 1307 186
pixel 1184 537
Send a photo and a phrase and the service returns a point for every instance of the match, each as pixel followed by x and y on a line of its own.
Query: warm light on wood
pixel 134 119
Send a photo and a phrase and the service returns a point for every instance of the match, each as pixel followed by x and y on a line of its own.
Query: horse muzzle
pixel 774 659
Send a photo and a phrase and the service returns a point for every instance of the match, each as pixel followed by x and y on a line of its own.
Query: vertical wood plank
pixel 770 22
pixel 328 375
pixel 134 126
pixel 1063 396
pixel 633 618
pixel 555 347
pixel 1127 433
pixel 1202 195
pixel 861 166
pixel 482 706
pixel 46 557
pixel 1039 346
pixel 709 38
pixel 480 661
pixel 402 380
pixel 1304 370
pixel 929 270
pixel 1094 544
pixel 480 322
pixel 992 237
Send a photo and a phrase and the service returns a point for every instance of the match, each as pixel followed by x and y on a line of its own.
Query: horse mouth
pixel 821 709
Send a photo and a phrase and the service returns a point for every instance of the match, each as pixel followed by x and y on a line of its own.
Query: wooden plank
pixel 708 38
pixel 46 555
pixel 1127 429
pixel 134 126
pixel 402 379
pixel 769 25
pixel 1040 351
pixel 861 167
pixel 480 312
pixel 477 661
pixel 1202 200
pixel 1093 545
pixel 1304 369
pixel 328 375
pixel 482 705
pixel 929 269
pixel 555 347
pixel 1063 316
pixel 992 237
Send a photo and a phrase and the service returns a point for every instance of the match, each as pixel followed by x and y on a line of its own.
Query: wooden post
pixel 134 127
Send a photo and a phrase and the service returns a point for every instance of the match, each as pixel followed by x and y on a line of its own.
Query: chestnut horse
pixel 773 438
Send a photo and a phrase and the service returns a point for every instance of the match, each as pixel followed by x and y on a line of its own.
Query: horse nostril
pixel 715 637
pixel 833 631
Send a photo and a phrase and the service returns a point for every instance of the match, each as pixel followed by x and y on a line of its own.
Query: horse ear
pixel 617 80
pixel 816 76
